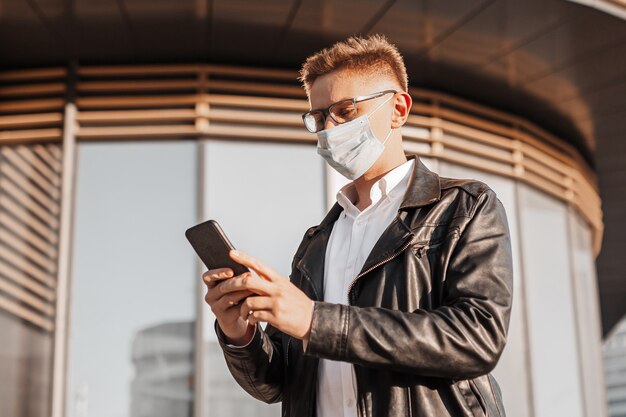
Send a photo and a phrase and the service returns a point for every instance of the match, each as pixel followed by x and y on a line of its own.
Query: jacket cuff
pixel 243 346
pixel 239 351
pixel 329 331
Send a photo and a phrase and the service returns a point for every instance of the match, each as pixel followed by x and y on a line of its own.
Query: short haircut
pixel 373 55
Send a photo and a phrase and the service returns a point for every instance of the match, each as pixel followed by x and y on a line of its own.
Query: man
pixel 398 302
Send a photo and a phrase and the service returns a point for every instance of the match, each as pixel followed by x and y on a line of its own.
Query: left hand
pixel 279 302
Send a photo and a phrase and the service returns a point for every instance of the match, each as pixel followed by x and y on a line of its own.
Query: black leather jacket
pixel 428 314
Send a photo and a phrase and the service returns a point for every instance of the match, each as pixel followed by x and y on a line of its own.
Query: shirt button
pixel 350 403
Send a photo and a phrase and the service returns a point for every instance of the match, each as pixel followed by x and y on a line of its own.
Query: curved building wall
pixel 155 149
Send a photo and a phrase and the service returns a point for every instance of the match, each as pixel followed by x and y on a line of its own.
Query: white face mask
pixel 351 148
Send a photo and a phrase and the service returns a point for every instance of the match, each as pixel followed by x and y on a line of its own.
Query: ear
pixel 402 107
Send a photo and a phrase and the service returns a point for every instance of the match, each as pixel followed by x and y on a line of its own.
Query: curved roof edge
pixel 613 7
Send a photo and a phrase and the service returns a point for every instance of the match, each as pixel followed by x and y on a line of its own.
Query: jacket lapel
pixel 423 189
pixel 311 265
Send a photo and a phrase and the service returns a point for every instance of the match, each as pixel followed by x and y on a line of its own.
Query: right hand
pixel 226 306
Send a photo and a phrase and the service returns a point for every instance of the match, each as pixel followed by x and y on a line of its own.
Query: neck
pixel 364 183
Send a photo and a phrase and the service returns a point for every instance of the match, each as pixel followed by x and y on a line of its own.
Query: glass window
pixel 588 313
pixel 553 341
pixel 134 281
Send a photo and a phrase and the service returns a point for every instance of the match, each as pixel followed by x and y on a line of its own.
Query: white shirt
pixel 352 238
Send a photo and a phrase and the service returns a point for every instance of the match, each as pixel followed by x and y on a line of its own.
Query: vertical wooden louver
pixel 31 118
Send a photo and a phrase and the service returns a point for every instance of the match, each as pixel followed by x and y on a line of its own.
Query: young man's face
pixel 343 84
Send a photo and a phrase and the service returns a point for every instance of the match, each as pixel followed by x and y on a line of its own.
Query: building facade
pixel 124 123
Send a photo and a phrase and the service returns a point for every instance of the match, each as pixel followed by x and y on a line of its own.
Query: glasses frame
pixel 325 112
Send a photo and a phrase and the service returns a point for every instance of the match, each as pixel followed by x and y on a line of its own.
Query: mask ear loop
pixel 388 134
pixel 378 107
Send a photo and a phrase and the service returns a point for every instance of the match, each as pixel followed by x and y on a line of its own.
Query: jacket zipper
pixel 387 259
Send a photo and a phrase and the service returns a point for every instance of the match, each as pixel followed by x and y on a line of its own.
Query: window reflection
pixel 134 281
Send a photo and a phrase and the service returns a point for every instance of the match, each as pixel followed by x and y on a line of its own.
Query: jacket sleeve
pixel 461 339
pixel 258 366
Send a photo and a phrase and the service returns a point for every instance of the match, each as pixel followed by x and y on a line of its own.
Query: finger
pixel 259 267
pixel 247 281
pixel 260 315
pixel 254 303
pixel 214 295
pixel 233 299
pixel 213 275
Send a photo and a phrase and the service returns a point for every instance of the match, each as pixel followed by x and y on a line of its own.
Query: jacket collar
pixel 423 189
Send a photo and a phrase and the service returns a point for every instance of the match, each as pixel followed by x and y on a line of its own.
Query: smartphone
pixel 212 246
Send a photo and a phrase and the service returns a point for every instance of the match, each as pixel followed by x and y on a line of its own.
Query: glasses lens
pixel 314 121
pixel 343 111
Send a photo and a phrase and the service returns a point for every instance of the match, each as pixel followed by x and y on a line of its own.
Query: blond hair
pixel 371 55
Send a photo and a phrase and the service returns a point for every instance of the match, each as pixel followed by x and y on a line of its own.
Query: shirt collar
pixel 384 186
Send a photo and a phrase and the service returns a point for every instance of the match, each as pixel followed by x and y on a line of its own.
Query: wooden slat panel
pixel 26 297
pixel 134 116
pixel 25 185
pixel 133 132
pixel 502 118
pixel 116 102
pixel 85 103
pixel 255 117
pixel 250 72
pixel 545 173
pixel 161 116
pixel 19 246
pixel 248 88
pixel 165 85
pixel 477 135
pixel 30 174
pixel 26 314
pixel 30 120
pixel 242 132
pixel 28 203
pixel 461 119
pixel 25 281
pixel 268 103
pixel 30 135
pixel 182 69
pixel 45 155
pixel 33 74
pixel 20 263
pixel 55 150
pixel 256 132
pixel 28 219
pixel 478 149
pixel 23 232
pixel 31 105
pixel 27 154
pixel 462 158
pixel 138 70
pixel 136 85
pixel 32 89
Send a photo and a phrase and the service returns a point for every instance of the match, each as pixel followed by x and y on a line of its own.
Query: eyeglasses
pixel 341 111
